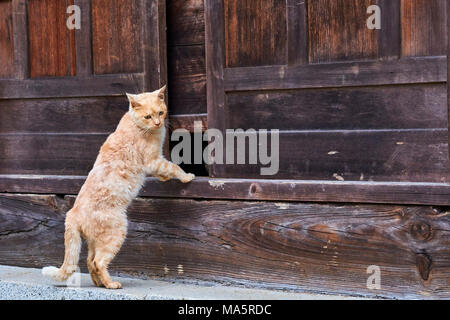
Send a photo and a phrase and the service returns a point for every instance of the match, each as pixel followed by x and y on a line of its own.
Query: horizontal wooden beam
pixel 334 75
pixel 246 189
pixel 294 246
pixel 65 87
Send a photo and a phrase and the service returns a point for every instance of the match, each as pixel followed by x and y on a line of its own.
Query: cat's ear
pixel 162 92
pixel 133 100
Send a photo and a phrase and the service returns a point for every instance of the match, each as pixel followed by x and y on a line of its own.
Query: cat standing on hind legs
pixel 133 151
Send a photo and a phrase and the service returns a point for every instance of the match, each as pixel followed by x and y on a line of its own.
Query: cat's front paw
pixel 163 178
pixel 188 177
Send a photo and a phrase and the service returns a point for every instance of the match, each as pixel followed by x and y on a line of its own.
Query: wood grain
pixel 356 155
pixel 395 107
pixel 338 31
pixel 83 38
pixel 420 193
pixel 255 32
pixel 297 32
pixel 389 36
pixel 186 57
pixel 336 75
pixel 423 27
pixel 185 22
pixel 187 79
pixel 49 153
pixel 75 115
pixel 386 155
pixel 51 44
pixel 154 45
pixel 117 34
pixel 93 86
pixel 21 41
pixel 295 246
pixel 448 69
pixel 6 40
pixel 215 64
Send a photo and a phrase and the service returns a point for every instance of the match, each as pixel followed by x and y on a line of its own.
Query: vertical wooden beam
pixel 297 31
pixel 155 51
pixel 20 27
pixel 155 44
pixel 215 61
pixel 389 40
pixel 448 71
pixel 84 39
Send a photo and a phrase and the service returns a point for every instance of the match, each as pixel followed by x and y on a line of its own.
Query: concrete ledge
pixel 28 284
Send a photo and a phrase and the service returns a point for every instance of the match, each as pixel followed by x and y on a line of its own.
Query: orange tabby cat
pixel 133 151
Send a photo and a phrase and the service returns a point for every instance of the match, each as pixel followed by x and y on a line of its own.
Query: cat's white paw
pixel 187 178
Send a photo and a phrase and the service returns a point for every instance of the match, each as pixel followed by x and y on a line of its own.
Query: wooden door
pixel 63 91
pixel 354 106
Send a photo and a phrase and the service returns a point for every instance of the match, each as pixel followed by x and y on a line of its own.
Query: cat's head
pixel 148 109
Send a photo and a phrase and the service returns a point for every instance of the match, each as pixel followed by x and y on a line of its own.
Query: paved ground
pixel 29 284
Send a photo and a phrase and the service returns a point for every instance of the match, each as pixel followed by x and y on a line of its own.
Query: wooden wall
pixel 347 100
pixel 293 246
pixel 316 247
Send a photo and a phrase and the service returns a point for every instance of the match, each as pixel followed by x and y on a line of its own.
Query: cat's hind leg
pixel 106 248
pixel 90 263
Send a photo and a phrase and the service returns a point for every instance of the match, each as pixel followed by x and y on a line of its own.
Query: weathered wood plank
pixel 155 44
pixel 21 54
pixel 395 107
pixel 364 73
pixel 215 62
pixel 297 32
pixel 448 69
pixel 76 115
pixel 292 246
pixel 84 39
pixel 389 39
pixel 357 155
pixel 187 79
pixel 65 87
pixel 117 33
pixel 423 27
pixel 6 40
pixel 354 155
pixel 255 33
pixel 49 153
pixel 338 31
pixel 51 44
pixel 253 189
pixel 185 22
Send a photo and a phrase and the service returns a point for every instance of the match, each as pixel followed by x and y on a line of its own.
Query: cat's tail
pixel 72 241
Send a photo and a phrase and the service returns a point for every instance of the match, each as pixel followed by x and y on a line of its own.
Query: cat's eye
pixel 148 117
pixel 161 113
